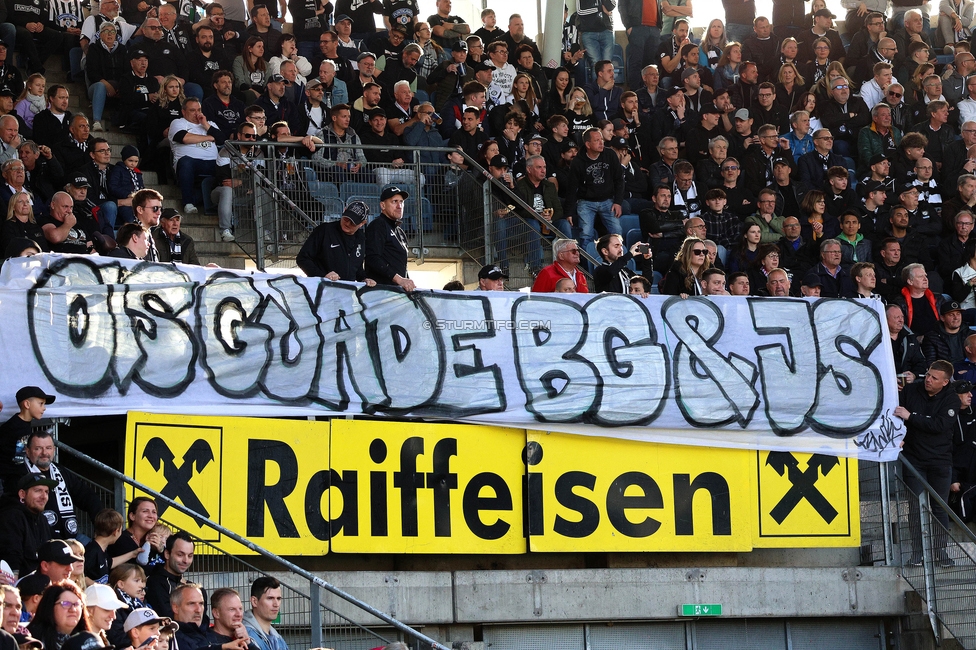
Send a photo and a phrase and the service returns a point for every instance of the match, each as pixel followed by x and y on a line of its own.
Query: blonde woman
pixel 790 85
pixel 579 112
pixel 727 68
pixel 713 44
pixel 20 222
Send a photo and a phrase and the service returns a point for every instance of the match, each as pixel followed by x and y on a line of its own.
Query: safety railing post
pixel 418 199
pixel 315 614
pixel 886 513
pixel 258 223
pixel 928 560
pixel 486 208
pixel 119 495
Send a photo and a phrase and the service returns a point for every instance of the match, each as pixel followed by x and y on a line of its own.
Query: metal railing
pixel 306 622
pixel 902 527
pixel 279 198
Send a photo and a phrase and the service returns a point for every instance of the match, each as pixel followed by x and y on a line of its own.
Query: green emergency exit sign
pixel 699 610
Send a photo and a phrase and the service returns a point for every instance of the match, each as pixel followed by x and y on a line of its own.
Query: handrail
pixel 294 568
pixel 933 495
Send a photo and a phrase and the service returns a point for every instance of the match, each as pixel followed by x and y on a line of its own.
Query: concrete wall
pixel 464 597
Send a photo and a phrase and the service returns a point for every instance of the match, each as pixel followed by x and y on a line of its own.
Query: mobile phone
pixel 643 249
pixel 149 641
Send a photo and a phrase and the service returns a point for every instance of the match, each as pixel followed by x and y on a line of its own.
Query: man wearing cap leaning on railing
pixel 386 243
pixel 929 409
pixel 188 605
pixel 336 250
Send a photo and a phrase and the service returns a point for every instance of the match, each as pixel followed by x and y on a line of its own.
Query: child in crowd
pixel 124 180
pixel 32 101
pixel 152 550
pixel 78 568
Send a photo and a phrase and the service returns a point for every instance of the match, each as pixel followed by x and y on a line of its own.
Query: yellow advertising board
pixel 298 487
pixel 806 500
pixel 264 479
pixel 599 494
pixel 424 488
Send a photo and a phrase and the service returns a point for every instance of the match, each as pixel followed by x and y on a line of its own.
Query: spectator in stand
pixel 97 171
pixel 909 360
pixel 865 280
pixel 24 528
pixel 164 580
pixel 172 244
pixel 107 527
pixel 251 70
pixel 227 33
pixel 52 123
pixel 228 616
pixel 854 247
pixel 613 276
pixel 74 152
pixel 62 229
pixel 203 60
pixel 947 340
pixel 221 107
pixel 31 100
pixel 20 223
pixel 54 622
pixel 261 28
pixel 386 243
pixel 685 274
pixel 133 242
pixel 288 51
pixel 265 608
pixel 137 92
pixel 107 63
pixel 565 265
pixel 35 39
pixel 597 189
pixel 928 409
pixel 277 107
pixel 142 518
pixel 42 169
pixel 836 282
pixel 336 250
pixel 920 304
pixel 340 163
pixel 165 57
pixel 194 143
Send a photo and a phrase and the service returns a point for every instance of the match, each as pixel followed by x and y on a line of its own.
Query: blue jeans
pixel 587 211
pixel 737 32
pixel 75 55
pixel 125 214
pixel 508 232
pixel 108 212
pixel 8 34
pixel 97 94
pixel 641 41
pixel 188 170
pixel 599 47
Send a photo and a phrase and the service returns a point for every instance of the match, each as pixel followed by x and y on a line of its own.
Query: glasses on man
pixel 248 136
pixel 824 137
pixel 841 87
pixel 155 208
pixel 892 93
pixel 730 168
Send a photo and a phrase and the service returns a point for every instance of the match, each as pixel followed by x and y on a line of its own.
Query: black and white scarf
pixel 63 501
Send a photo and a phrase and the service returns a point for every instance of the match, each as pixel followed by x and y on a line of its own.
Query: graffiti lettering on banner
pixel 778 374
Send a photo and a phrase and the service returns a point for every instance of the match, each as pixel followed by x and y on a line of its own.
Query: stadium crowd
pixel 128 587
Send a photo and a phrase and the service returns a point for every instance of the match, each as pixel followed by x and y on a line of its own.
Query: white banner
pixel 109 336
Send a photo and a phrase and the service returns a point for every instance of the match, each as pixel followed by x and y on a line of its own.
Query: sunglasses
pixel 894 94
pixel 248 136
pixel 699 251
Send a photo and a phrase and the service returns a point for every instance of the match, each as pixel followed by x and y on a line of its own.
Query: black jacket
pixel 49 130
pixel 908 354
pixel 21 533
pixel 329 249
pixel 930 427
pixel 939 344
pixel 386 253
pixel 607 277
pixel 842 126
pixel 191 636
pixel 159 585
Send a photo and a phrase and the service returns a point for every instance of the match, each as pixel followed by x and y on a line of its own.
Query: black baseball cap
pixel 949 307
pixel 276 78
pixel 342 17
pixel 392 190
pixel 376 112
pixel 491 272
pixel 170 213
pixel 80 181
pixel 710 108
pixel 57 550
pixel 478 66
pixel 138 54
pixel 619 143
pixel 812 280
pixel 85 641
pixel 820 13
pixel 459 46
pixel 357 212
pixel 34 391
pixel 876 158
pixel 33 584
pixel 873 186
pixel 499 162
pixel 29 480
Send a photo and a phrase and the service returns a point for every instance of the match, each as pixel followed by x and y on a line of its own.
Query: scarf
pixel 689 201
pixel 66 507
pixel 35 103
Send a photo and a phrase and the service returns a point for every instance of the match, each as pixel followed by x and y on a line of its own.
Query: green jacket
pixel 869 144
pixel 550 197
pixel 772 231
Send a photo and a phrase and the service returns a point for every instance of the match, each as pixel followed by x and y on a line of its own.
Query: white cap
pixel 99 595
